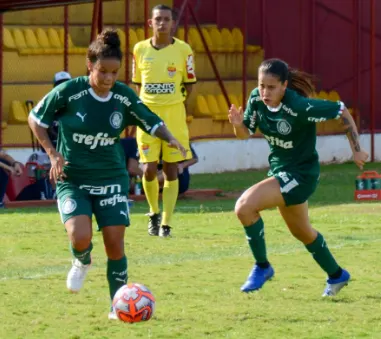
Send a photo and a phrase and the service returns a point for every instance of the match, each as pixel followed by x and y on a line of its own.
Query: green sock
pixel 83 256
pixel 255 235
pixel 116 274
pixel 320 252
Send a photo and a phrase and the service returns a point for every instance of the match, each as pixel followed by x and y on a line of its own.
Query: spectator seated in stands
pixel 8 166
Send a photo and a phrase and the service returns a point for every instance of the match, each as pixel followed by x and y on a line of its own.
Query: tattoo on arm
pixel 163 133
pixel 351 132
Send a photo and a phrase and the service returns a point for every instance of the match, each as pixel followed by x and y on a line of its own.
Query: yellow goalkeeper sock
pixel 151 191
pixel 170 193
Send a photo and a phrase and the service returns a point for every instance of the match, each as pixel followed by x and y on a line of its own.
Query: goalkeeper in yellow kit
pixel 163 71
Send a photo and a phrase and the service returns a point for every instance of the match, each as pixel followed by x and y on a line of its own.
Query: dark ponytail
pixel 106 45
pixel 299 81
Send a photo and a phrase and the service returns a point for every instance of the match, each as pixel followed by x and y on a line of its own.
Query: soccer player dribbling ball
pixel 89 165
pixel 281 108
pixel 163 71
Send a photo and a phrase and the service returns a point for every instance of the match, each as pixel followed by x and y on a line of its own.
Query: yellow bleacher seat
pixel 234 100
pixel 202 109
pixel 196 40
pixel 42 38
pixel 180 34
pixel 212 104
pixel 122 38
pixel 323 95
pixel 215 35
pixel 333 96
pixel 222 104
pixel 19 39
pixel 133 39
pixel 31 39
pixel 61 34
pixel 210 43
pixel 4 125
pixel 8 39
pixel 72 48
pixel 43 41
pixel 140 34
pixel 228 42
pixel 18 113
pixel 237 39
pixel 54 38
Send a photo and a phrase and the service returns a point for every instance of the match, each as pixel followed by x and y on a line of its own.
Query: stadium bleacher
pixel 34 46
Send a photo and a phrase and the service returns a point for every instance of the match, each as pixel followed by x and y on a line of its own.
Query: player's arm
pixel 136 73
pixel 244 123
pixel 189 76
pixel 40 118
pixel 316 110
pixel 350 128
pixel 140 115
pixel 190 162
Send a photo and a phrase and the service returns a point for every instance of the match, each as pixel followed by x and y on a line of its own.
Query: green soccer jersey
pixel 90 126
pixel 290 129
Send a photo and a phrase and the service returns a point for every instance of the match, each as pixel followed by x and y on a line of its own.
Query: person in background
pixel 131 152
pixel 163 72
pixel 183 172
pixel 58 79
pixel 8 166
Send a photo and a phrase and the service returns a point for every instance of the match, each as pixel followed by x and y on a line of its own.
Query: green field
pixel 196 275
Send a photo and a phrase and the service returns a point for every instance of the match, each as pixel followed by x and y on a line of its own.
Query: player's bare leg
pixel 264 195
pixel 79 231
pixel 170 194
pixel 151 191
pixel 297 220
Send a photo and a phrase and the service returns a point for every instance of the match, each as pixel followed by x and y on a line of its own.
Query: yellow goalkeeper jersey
pixel 162 72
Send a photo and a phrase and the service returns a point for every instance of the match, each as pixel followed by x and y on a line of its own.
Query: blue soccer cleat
pixel 257 278
pixel 335 285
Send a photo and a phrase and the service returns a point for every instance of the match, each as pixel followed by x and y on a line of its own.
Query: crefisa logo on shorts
pixel 116 119
pixel 68 206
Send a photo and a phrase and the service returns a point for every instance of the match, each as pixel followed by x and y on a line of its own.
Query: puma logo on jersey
pixel 279 142
pixel 309 107
pixel 101 139
pixel 123 213
pixel 82 117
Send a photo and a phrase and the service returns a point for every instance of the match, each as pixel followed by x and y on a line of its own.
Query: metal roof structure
pixel 14 5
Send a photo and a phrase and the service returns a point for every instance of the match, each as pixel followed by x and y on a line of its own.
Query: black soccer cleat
pixel 154 223
pixel 165 231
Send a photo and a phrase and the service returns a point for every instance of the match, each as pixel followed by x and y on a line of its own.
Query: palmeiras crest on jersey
pixel 283 127
pixel 69 206
pixel 116 119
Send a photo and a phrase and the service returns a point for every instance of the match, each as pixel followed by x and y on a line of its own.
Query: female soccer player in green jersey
pixel 281 108
pixel 89 165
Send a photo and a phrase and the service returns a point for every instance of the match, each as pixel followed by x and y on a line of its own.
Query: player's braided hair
pixel 298 81
pixel 106 45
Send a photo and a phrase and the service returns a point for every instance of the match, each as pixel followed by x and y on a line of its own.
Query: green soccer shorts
pixel 107 200
pixel 296 188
